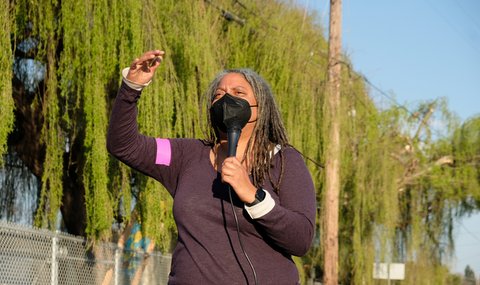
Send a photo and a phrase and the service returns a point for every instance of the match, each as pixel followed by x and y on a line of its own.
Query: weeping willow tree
pixel 6 60
pixel 396 204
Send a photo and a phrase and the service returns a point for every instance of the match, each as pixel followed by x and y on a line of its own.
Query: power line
pixel 468 15
pixel 385 94
pixel 242 21
pixel 467 245
pixel 471 257
pixel 469 232
pixel 454 28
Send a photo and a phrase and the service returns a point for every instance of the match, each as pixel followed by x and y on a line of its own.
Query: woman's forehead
pixel 233 80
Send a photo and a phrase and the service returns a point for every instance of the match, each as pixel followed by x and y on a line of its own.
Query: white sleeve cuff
pixel 132 84
pixel 262 208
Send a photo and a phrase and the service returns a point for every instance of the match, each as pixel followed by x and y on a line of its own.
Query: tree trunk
pixel 26 141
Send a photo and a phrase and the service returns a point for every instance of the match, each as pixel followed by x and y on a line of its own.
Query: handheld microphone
pixel 236 113
pixel 234 120
pixel 233 134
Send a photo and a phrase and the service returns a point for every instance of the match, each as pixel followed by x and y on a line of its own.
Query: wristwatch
pixel 259 196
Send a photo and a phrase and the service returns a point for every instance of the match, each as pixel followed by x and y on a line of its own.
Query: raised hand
pixel 142 69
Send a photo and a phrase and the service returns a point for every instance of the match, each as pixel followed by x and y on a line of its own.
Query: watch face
pixel 260 195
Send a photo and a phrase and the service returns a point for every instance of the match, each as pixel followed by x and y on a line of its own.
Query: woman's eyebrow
pixel 239 87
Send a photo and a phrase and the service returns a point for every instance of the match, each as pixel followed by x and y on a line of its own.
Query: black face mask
pixel 230 112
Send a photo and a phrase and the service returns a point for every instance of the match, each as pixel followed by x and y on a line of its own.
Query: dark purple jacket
pixel 208 249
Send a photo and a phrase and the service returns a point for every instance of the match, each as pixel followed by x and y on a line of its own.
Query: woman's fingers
pixel 142 68
pixel 151 56
pixel 235 174
pixel 233 171
pixel 231 165
pixel 155 62
pixel 134 63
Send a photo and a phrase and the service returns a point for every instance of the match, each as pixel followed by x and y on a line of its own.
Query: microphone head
pixel 236 113
pixel 233 135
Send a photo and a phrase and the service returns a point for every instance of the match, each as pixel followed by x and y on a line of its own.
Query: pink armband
pixel 164 152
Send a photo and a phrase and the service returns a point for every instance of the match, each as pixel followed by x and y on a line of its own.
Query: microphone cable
pixel 233 135
pixel 239 237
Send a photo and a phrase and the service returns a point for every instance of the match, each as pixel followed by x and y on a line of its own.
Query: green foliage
pixel 156 215
pixel 400 187
pixel 52 135
pixel 466 150
pixel 6 62
pixel 470 278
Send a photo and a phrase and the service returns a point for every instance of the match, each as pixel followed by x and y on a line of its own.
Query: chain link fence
pixel 35 256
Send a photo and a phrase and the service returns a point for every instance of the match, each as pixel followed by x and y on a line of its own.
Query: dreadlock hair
pixel 268 132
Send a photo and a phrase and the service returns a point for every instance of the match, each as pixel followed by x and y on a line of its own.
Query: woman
pixel 272 214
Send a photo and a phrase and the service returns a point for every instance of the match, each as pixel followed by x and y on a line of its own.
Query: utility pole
pixel 332 166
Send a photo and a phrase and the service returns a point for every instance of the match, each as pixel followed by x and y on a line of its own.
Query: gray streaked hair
pixel 269 129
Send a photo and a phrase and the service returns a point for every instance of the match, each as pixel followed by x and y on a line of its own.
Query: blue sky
pixel 419 50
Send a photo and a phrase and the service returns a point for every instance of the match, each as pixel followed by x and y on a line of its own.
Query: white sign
pixel 390 271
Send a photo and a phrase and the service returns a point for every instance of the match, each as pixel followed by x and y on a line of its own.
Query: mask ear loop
pixel 253 121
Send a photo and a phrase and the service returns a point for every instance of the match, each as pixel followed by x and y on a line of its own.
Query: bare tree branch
pixel 409 180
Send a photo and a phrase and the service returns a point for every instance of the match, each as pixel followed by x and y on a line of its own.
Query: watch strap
pixel 259 197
